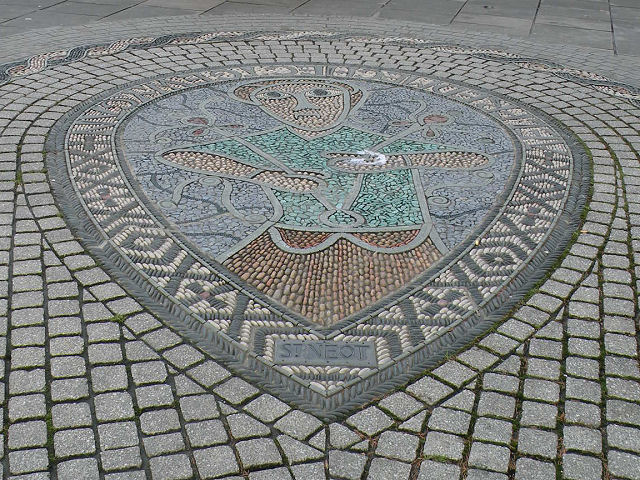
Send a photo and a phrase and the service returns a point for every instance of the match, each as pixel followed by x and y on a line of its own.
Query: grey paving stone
pixel 439 445
pixel 537 443
pixel 530 469
pixel 259 452
pixel 159 421
pixel 163 444
pixel 70 415
pixel 160 339
pixel 582 439
pixel 136 351
pixel 346 465
pixel 497 404
pixel 296 451
pixel 454 373
pixel 171 467
pixel 206 433
pixel 103 332
pixel 243 426
pixel 625 465
pixel 319 440
pixel 113 406
pixel 154 396
pixel 69 389
pixel 582 413
pixel 620 345
pixel 209 373
pixel 545 349
pixel 61 346
pixel 477 358
pixel 400 446
pixel 493 430
pixel 199 407
pixel 127 306
pixel 541 390
pixel 542 368
pixel 581 467
pixel 430 470
pixel 623 412
pixel 298 424
pixel 183 356
pixel 27 434
pixel 85 468
pixel 516 329
pixel 111 378
pixel 121 459
pixel 91 277
pixel 145 373
pixel 623 438
pixel 236 391
pixel 21 337
pixel 583 328
pixel 448 420
pixel 536 316
pixel 621 367
pixel 580 389
pixel 429 390
pixel 623 389
pixel 370 421
pixel 117 435
pixel 382 469
pixel 26 407
pixel 77 441
pixel 68 366
pixel 106 291
pixel 271 474
pixel 308 470
pixel 490 457
pixel 501 383
pixel 31 460
pixel 342 437
pixel 583 367
pixel 267 408
pixel 400 405
pixel 64 326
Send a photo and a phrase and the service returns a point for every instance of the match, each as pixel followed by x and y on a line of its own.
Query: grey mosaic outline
pixel 403 378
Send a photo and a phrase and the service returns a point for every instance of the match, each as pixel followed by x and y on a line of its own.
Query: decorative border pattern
pixel 552 171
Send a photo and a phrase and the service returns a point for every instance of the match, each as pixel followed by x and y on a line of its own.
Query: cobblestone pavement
pixel 140 342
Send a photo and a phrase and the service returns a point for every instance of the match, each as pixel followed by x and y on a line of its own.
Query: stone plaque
pixel 325 353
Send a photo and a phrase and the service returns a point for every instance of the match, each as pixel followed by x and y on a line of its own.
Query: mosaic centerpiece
pixel 326 231
pixel 318 192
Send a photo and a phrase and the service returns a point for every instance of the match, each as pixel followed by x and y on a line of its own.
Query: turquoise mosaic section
pixel 385 199
pixel 389 199
pixel 410 146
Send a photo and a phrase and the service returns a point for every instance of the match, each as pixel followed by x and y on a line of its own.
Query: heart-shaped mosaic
pixel 327 231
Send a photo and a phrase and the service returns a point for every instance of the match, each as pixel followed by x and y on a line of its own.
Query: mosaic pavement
pixel 305 253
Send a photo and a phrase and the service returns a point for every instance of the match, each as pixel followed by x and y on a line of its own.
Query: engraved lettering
pixel 324 353
pixel 346 351
pixel 331 351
